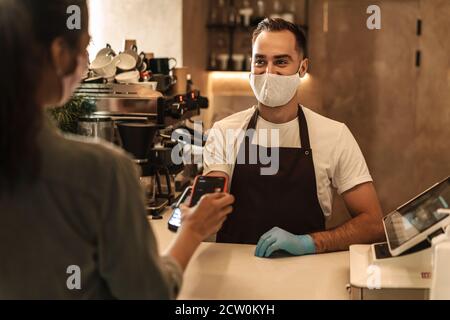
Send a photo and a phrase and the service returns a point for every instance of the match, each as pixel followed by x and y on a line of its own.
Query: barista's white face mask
pixel 274 90
pixel 70 82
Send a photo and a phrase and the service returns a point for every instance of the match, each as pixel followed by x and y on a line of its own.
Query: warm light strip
pixel 229 75
pixel 214 75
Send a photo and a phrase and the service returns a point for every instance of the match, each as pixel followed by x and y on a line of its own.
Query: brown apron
pixel 287 200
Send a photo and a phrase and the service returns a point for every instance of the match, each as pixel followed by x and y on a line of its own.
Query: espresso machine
pixel 143 120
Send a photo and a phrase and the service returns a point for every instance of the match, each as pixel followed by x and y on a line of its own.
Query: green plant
pixel 67 116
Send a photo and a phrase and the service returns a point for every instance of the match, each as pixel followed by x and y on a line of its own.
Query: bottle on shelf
pixel 277 10
pixel 246 12
pixel 260 13
pixel 238 62
pixel 212 61
pixel 233 16
pixel 213 18
pixel 223 16
pixel 224 62
pixel 289 14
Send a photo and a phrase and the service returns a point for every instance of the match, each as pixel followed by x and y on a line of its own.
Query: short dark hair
pixel 278 24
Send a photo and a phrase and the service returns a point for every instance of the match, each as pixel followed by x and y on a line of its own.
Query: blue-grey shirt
pixel 86 209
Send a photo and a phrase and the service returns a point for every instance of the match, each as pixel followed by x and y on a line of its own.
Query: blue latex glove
pixel 279 239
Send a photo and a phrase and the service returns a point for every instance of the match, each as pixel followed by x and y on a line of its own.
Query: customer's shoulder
pixel 96 152
pixel 83 163
pixel 236 120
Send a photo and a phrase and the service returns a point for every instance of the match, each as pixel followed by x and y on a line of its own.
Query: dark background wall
pixel 399 112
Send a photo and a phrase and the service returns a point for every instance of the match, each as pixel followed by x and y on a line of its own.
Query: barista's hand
pixel 208 216
pixel 279 239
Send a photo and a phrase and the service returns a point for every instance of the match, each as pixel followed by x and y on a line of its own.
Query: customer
pixel 69 201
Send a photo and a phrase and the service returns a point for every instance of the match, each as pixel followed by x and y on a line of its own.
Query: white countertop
pixel 231 271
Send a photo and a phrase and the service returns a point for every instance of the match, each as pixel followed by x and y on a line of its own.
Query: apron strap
pixel 253 120
pixel 304 133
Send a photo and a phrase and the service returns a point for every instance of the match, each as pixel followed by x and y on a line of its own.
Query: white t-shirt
pixel 338 160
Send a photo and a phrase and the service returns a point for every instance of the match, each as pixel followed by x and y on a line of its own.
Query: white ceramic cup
pixel 128 77
pixel 107 51
pixel 126 62
pixel 223 61
pixel 104 66
pixel 238 62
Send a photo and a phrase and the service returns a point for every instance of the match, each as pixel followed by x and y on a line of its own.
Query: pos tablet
pixel 418 219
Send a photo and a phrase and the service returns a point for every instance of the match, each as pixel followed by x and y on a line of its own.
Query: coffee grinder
pixel 137 138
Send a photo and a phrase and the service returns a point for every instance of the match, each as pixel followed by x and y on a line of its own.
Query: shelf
pixel 241 28
pixel 231 39
pixel 228 27
pixel 230 71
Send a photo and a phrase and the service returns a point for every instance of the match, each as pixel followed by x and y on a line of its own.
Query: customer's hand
pixel 208 216
pixel 279 239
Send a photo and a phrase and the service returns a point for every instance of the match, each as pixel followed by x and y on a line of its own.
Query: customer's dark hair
pixel 27 28
pixel 49 20
pixel 274 25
